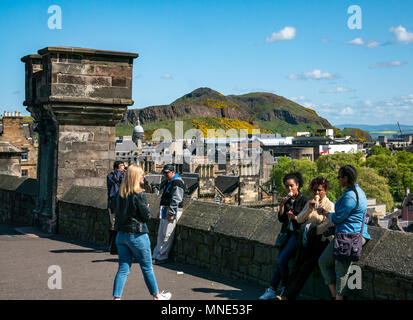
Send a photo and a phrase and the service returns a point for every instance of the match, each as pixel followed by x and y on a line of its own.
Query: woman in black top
pixel 132 213
pixel 290 207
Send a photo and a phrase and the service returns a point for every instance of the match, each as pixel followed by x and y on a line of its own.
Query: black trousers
pixel 306 261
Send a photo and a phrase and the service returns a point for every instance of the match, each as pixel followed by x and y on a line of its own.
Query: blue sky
pixel 302 50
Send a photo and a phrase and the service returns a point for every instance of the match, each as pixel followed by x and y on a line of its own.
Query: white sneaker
pixel 164 296
pixel 268 295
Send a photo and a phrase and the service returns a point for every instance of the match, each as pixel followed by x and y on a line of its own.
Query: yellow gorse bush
pixel 222 123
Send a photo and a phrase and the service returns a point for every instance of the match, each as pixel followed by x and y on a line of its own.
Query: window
pixel 25 154
pixel 25 173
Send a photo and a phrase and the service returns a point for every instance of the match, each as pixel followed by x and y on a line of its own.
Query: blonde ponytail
pixel 131 181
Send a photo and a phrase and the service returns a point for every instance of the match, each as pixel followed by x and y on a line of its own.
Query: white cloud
pixel 166 76
pixel 287 33
pixel 390 64
pixel 357 42
pixel 301 98
pixel 337 90
pixel 309 105
pixel 402 35
pixel 316 74
pixel 347 111
pixel 372 44
pixel 325 40
pixel 407 99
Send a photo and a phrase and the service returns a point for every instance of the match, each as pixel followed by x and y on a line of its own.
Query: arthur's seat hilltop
pixel 266 111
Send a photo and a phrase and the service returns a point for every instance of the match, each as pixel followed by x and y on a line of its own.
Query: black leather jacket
pixel 297 206
pixel 132 213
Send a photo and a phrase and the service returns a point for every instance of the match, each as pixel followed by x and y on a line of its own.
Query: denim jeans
pixel 284 256
pixel 134 245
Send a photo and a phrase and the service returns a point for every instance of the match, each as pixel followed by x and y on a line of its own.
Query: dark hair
pixel 351 173
pixel 320 181
pixel 296 176
pixel 116 164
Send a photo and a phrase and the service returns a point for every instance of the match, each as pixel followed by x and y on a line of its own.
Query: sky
pixel 350 66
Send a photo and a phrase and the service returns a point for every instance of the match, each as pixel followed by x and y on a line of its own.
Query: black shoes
pixel 156 261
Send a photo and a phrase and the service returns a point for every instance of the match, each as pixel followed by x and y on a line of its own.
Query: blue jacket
pixel 113 182
pixel 172 194
pixel 347 217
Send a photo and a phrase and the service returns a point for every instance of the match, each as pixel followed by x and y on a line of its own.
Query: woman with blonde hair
pixel 132 213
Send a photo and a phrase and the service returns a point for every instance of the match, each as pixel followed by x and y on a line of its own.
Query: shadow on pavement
pixel 229 294
pixel 78 251
pixel 247 290
pixel 106 260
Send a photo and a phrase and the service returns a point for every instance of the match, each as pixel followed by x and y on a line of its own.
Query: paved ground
pixel 88 273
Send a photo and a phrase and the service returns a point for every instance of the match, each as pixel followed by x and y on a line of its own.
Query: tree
pixel 398 169
pixel 285 165
pixel 374 184
pixel 376 150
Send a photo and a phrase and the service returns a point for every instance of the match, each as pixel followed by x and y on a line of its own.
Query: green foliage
pixel 357 134
pixel 376 150
pixel 397 169
pixel 375 186
pixel 307 168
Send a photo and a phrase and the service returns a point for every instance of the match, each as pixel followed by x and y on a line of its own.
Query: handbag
pixel 348 246
pixel 113 249
pixel 281 240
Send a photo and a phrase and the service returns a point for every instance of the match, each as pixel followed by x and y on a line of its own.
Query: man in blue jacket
pixel 171 206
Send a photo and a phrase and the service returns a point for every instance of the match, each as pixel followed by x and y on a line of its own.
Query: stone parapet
pixel 238 242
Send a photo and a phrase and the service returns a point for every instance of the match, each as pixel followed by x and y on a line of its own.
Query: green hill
pixel 267 111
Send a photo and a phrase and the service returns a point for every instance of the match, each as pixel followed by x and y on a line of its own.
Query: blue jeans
pixel 134 245
pixel 284 256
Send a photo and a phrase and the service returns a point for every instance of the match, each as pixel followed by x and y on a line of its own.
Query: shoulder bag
pixel 347 246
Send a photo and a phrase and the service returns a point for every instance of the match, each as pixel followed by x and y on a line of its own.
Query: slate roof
pixel 125 146
pixel 154 179
pixel 227 184
pixel 191 184
pixel 7 147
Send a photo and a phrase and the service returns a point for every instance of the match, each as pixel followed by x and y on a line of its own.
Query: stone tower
pixel 249 178
pixel 206 183
pixel 76 97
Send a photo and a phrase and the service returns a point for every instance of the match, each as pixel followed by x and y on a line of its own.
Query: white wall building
pixel 334 148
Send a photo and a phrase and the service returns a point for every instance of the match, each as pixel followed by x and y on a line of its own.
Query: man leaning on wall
pixel 171 207
pixel 113 181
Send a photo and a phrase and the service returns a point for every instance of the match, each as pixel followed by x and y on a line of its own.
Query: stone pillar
pixel 206 183
pixel 248 183
pixel 76 97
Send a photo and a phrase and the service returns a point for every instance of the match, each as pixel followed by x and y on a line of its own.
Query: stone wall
pixel 17 199
pixel 83 215
pixel 238 242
